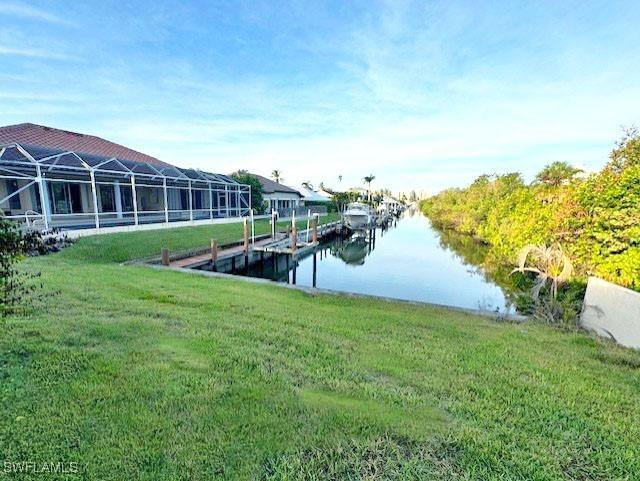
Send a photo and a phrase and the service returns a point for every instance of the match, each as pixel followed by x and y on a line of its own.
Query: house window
pixel 14 202
pixel 197 199
pixel 184 199
pixel 126 197
pixel 66 198
pixel 107 198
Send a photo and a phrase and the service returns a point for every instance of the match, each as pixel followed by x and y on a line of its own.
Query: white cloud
pixel 423 96
pixel 30 12
pixel 35 53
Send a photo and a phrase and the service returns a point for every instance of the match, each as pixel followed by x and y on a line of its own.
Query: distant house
pixel 315 196
pixel 390 203
pixel 56 178
pixel 280 197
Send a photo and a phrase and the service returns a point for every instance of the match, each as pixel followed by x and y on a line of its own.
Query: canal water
pixel 407 260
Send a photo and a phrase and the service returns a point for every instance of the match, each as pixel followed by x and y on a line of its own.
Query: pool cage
pixel 49 188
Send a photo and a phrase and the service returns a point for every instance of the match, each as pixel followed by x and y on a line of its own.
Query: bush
pixel 258 203
pixel 16 286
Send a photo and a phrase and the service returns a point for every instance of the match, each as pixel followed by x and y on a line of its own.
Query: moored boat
pixel 358 216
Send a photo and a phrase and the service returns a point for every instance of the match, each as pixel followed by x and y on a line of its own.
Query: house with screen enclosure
pixel 52 178
pixel 281 198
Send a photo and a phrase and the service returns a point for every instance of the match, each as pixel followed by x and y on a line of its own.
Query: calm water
pixel 406 261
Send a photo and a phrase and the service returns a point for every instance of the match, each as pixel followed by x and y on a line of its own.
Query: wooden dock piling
pixel 245 235
pixel 165 256
pixel 294 238
pixel 214 255
pixel 314 230
pixel 214 251
pixel 315 269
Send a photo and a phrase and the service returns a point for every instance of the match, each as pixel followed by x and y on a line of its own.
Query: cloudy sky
pixel 424 95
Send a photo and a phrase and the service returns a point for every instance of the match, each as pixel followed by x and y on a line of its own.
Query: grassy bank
pixel 135 245
pixel 135 373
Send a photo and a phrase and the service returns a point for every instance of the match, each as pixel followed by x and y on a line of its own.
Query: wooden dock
pixel 226 257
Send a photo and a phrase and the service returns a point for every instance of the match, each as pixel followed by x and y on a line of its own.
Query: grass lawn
pixel 137 373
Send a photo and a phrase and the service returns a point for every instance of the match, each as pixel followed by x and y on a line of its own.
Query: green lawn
pixel 137 373
pixel 134 245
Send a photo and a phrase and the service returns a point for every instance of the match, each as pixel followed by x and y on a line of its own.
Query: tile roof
pixel 40 135
pixel 269 186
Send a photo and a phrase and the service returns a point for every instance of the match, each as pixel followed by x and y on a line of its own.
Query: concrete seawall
pixel 612 311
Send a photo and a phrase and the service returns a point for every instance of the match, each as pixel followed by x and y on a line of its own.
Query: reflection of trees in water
pixel 477 255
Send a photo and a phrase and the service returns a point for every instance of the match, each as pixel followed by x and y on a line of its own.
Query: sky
pixel 423 95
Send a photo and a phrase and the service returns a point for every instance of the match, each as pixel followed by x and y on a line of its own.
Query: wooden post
pixel 214 251
pixel 315 268
pixel 273 224
pixel 294 238
pixel 314 230
pixel 245 226
pixel 165 256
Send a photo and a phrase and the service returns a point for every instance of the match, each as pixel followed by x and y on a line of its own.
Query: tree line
pixel 595 217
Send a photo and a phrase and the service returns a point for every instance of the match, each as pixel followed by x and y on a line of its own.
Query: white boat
pixel 384 215
pixel 358 216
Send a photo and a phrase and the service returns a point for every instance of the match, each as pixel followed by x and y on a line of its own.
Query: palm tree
pixel 367 180
pixel 557 173
pixel 550 264
pixel 340 178
pixel 307 185
pixel 276 175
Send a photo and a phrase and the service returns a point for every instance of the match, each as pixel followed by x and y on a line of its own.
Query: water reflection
pixel 408 260
pixel 352 251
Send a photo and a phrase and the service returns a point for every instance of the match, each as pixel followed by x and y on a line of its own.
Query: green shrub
pixel 16 286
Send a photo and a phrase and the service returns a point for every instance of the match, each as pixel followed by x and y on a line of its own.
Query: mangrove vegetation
pixel 594 217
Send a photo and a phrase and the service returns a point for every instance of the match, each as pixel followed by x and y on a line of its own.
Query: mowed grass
pixel 134 245
pixel 137 373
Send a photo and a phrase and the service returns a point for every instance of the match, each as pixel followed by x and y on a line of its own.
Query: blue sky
pixel 424 95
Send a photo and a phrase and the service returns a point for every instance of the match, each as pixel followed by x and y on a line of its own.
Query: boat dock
pixel 227 257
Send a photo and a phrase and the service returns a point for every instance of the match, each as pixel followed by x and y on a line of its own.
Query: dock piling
pixel 165 256
pixel 273 224
pixel 214 254
pixel 315 268
pixel 294 238
pixel 245 234
pixel 214 251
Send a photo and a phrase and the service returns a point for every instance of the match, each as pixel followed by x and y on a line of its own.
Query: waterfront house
pixel 281 198
pixel 390 203
pixel 314 197
pixel 56 178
